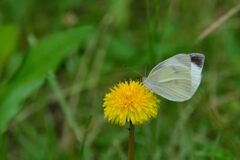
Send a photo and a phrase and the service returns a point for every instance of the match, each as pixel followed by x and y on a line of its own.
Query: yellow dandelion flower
pixel 130 101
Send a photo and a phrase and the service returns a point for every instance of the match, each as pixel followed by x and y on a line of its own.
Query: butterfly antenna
pixel 132 70
pixel 137 73
pixel 145 74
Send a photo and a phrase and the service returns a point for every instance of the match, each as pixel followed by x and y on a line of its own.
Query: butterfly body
pixel 176 78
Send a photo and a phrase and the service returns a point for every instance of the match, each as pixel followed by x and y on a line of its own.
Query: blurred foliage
pixel 84 43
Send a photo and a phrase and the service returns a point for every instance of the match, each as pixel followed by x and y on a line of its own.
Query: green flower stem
pixel 131 142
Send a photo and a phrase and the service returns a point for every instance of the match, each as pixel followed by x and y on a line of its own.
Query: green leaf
pixel 43 57
pixel 8 41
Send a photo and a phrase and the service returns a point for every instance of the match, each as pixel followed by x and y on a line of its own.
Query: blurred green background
pixel 58 58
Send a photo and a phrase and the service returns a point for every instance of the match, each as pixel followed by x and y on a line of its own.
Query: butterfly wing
pixel 177 78
pixel 197 61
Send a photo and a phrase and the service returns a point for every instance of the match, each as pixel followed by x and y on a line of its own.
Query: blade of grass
pixel 64 106
pixel 3 146
pixel 216 24
pixel 47 53
pixel 150 30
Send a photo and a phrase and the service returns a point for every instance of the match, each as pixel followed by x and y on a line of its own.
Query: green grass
pixel 87 46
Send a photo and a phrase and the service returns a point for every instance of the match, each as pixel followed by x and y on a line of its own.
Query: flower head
pixel 130 101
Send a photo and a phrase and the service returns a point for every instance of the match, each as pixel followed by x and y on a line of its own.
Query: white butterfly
pixel 176 78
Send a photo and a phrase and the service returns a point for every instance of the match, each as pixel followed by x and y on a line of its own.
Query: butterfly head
pixel 144 79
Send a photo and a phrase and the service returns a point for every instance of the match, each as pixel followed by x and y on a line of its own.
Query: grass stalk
pixel 64 106
pixel 150 30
